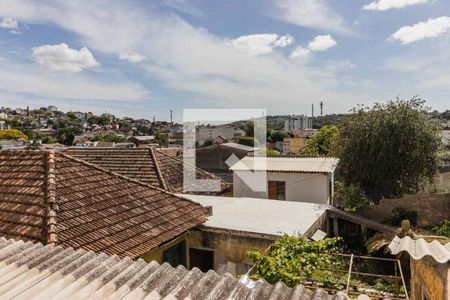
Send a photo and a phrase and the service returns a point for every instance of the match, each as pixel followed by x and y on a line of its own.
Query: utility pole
pixel 321 108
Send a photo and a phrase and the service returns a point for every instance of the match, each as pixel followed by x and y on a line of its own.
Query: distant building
pixel 445 135
pixel 294 145
pixel 303 179
pixel 206 133
pixel 108 116
pixel 45 131
pixel 301 122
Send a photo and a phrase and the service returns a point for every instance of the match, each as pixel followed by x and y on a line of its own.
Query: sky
pixel 144 58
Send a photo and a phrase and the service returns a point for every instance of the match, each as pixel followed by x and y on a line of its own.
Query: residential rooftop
pixel 419 248
pixel 33 271
pixel 51 197
pixel 147 165
pixel 261 216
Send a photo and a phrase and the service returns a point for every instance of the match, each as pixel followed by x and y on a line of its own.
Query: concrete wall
pixel 431 209
pixel 230 250
pixel 431 277
pixel 301 187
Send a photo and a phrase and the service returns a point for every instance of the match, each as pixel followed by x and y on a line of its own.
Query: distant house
pixel 213 158
pixel 294 145
pixel 304 179
pixel 53 198
pixel 142 139
pixel 206 133
pixel 147 165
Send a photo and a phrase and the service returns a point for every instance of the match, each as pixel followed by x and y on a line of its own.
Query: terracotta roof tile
pixel 71 202
pixel 146 165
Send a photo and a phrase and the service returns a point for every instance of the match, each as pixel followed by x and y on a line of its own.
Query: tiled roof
pixel 34 271
pixel 420 248
pixel 287 164
pixel 147 165
pixel 54 198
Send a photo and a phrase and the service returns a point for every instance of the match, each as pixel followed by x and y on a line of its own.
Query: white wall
pixel 301 187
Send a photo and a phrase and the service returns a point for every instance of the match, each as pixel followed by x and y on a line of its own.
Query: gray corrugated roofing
pixel 33 271
pixel 287 164
pixel 420 248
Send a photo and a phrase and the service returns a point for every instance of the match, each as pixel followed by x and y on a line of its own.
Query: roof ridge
pixel 158 170
pixel 196 168
pixel 50 198
pixel 126 178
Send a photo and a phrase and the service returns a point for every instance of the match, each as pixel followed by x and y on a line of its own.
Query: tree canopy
pixel 12 134
pixel 323 143
pixel 390 149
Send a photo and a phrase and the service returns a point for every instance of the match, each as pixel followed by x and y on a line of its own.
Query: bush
pixel 246 140
pixel 399 214
pixel 351 197
pixel 442 229
pixel 12 134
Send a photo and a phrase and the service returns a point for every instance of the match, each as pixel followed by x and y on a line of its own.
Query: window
pixel 202 259
pixel 176 255
pixel 277 190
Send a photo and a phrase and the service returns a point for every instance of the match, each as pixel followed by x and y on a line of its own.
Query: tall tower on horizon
pixel 171 119
pixel 321 108
pixel 312 110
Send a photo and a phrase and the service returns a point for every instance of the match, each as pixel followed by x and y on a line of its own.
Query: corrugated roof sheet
pixel 147 165
pixel 420 248
pixel 287 164
pixel 51 197
pixel 33 271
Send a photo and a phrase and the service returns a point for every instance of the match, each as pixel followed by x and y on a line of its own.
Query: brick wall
pixel 431 209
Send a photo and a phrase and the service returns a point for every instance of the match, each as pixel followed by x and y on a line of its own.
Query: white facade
pixel 294 123
pixel 300 187
pixel 302 179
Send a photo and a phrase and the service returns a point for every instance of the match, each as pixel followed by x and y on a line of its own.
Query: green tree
pixel 390 149
pixel 323 143
pixel 293 259
pixel 12 134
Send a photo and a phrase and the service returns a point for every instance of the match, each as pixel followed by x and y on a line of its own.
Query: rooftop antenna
pixel 321 108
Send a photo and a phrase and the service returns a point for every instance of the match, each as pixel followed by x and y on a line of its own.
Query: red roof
pixel 54 198
pixel 147 165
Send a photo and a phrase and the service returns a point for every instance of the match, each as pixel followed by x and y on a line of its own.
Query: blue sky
pixel 144 58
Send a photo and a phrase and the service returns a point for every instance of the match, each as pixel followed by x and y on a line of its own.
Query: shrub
pixel 399 214
pixel 442 229
pixel 351 197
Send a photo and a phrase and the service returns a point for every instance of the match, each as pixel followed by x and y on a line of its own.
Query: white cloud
pixel 258 44
pixel 322 43
pixel 62 58
pixel 187 59
pixel 44 84
pixel 314 14
pixel 300 52
pixel 131 56
pixel 389 4
pixel 8 23
pixel 15 32
pixel 422 30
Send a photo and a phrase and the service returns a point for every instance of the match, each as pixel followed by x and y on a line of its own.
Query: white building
pixel 295 123
pixel 303 179
pixel 211 132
